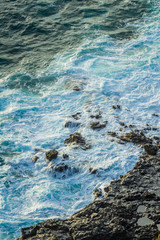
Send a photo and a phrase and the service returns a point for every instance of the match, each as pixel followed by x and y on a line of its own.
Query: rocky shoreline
pixel 130 208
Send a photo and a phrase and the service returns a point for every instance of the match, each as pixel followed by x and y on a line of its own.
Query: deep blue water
pixel 107 49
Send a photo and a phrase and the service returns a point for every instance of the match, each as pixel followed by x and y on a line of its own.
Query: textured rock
pixel 116 107
pixel 65 156
pixel 130 210
pixel 77 116
pixel 51 154
pixel 71 124
pixel 98 125
pixel 135 136
pixel 75 138
pixel 150 149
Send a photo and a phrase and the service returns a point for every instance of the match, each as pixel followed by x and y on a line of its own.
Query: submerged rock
pixel 77 88
pixel 61 167
pixel 35 158
pixel 98 125
pixel 150 149
pixel 62 170
pixel 77 116
pixel 70 124
pixel 51 154
pixel 112 134
pixel 116 107
pixel 97 116
pixel 155 115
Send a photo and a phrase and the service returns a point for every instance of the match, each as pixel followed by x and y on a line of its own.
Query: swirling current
pixel 64 65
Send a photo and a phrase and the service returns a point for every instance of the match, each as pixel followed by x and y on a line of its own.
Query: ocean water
pixel 109 50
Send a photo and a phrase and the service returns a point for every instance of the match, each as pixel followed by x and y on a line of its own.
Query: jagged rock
pixel 98 125
pixel 122 124
pixel 65 155
pixel 131 126
pixel 61 167
pixel 116 107
pixel 62 170
pixel 150 149
pixel 75 84
pixel 136 136
pixel 77 88
pixel 77 116
pixel 97 116
pixel 86 146
pixel 75 138
pixel 120 215
pixel 113 134
pixel 97 193
pixel 93 171
pixel 51 154
pixel 120 142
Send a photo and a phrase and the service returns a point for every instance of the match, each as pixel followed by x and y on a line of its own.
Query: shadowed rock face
pixel 129 210
pixel 51 154
pixel 75 138
pixel 98 125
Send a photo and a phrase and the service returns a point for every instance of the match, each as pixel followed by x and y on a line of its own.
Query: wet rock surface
pixel 51 154
pixel 116 107
pixel 98 125
pixel 130 210
pixel 64 156
pixel 62 170
pixel 136 136
pixel 76 116
pixel 71 124
pixel 75 139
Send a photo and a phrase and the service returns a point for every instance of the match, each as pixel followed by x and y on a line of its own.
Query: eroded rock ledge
pixel 129 210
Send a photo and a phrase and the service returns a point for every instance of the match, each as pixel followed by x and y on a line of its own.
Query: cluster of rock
pixel 130 210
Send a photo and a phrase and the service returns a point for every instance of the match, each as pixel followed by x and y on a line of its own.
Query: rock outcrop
pixel 130 210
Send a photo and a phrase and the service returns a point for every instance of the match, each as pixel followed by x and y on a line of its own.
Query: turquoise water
pixel 109 50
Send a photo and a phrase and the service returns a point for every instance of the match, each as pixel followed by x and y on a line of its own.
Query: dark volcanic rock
pixel 97 116
pixel 116 107
pixel 77 115
pixel 135 136
pixel 113 134
pixel 51 154
pixel 65 155
pixel 62 170
pixel 130 210
pixel 155 115
pixel 98 125
pixel 75 138
pixel 150 149
pixel 61 167
pixel 93 171
pixel 97 193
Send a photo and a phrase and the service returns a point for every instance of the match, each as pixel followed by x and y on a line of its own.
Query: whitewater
pixel 102 60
